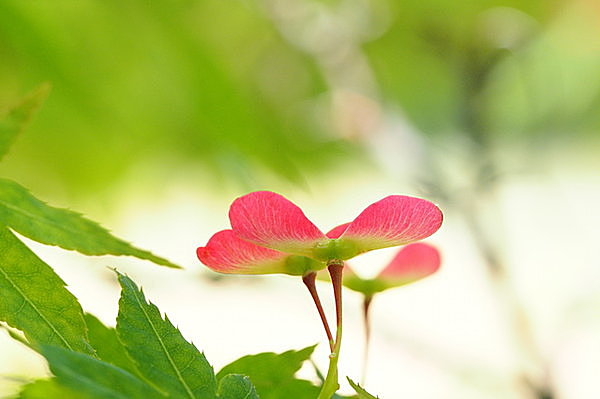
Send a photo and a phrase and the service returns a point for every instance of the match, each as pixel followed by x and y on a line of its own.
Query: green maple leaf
pixel 362 394
pixel 43 223
pixel 34 299
pixel 93 377
pixel 273 374
pixel 236 386
pixel 49 389
pixel 159 350
pixel 105 342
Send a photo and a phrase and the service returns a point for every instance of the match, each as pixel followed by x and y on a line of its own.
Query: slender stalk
pixel 309 282
pixel 367 323
pixel 335 270
pixel 331 385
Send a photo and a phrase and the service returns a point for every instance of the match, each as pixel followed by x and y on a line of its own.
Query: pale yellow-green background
pixel 163 112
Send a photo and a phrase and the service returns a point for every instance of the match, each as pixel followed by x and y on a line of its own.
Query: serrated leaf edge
pixel 359 390
pixel 149 255
pixel 138 291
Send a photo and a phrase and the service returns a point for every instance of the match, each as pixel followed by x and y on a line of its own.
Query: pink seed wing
pixel 226 253
pixel 411 263
pixel 392 221
pixel 270 220
pixel 336 232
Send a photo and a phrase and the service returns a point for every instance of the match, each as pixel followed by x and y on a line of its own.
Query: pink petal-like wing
pixel 270 220
pixel 226 253
pixel 412 263
pixel 336 232
pixel 394 220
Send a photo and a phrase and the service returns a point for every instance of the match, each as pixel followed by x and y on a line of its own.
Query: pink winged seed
pixel 336 232
pixel 268 219
pixel 394 220
pixel 413 262
pixel 226 253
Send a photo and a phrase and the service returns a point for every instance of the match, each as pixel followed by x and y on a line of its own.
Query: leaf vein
pixel 26 299
pixel 162 345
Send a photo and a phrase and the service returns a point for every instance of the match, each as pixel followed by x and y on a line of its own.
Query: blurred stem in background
pixel 367 331
pixel 478 70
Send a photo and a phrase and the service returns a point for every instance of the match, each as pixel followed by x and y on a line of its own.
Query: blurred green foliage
pixel 176 82
pixel 492 67
pixel 229 87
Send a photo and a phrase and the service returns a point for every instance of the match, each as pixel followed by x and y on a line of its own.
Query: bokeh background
pixel 161 113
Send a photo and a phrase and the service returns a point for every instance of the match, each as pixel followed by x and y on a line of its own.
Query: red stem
pixel 309 282
pixel 335 270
